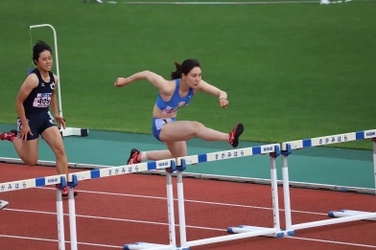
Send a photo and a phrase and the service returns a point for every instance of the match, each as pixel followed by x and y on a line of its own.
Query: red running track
pixel 114 211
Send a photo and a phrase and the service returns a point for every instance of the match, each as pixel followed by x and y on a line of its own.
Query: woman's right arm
pixel 155 79
pixel 29 84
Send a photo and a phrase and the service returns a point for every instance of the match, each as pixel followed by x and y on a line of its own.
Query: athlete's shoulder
pixel 56 79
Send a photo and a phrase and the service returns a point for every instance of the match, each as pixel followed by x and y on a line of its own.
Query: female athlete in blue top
pixel 174 94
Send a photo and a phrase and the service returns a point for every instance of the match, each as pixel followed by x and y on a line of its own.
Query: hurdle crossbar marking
pixel 31 183
pixel 120 170
pixel 343 215
pixel 228 154
pixel 331 139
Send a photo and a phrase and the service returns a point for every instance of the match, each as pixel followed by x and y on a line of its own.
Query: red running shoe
pixel 8 135
pixel 65 190
pixel 133 157
pixel 233 136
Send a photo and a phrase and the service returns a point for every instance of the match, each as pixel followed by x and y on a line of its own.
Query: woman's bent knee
pixel 30 162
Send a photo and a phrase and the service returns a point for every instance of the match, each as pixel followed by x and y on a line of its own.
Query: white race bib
pixel 42 100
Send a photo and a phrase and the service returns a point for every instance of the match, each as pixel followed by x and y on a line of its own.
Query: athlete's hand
pixel 59 119
pixel 25 130
pixel 120 82
pixel 223 102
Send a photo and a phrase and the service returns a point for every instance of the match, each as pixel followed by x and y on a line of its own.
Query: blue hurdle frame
pixel 342 215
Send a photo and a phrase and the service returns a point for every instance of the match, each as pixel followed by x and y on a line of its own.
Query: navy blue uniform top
pixel 39 98
pixel 175 102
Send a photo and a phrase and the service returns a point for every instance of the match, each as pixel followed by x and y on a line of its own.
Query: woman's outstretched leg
pixel 186 130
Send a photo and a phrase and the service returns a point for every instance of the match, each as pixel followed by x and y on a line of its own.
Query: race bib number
pixel 42 100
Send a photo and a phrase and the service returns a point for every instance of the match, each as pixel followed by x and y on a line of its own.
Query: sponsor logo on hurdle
pixel 229 154
pixel 163 164
pixel 372 133
pixel 267 149
pixel 53 180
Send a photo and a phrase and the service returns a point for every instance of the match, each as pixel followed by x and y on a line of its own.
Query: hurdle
pixel 68 131
pixel 238 232
pixel 41 182
pixel 335 216
pixel 168 164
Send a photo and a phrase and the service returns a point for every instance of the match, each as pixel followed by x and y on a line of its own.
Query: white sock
pixel 144 157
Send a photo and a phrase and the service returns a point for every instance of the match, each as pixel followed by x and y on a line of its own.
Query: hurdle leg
pixel 170 206
pixel 345 213
pixel 60 219
pixel 182 226
pixel 171 223
pixel 286 194
pixel 72 218
pixel 275 202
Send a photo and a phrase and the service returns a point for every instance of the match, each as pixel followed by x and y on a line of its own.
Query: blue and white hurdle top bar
pixel 33 183
pixel 231 154
pixel 327 140
pixel 170 163
pixel 121 170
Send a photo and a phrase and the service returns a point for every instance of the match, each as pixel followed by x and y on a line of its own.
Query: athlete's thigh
pixel 30 150
pixel 53 138
pixel 177 131
pixel 177 149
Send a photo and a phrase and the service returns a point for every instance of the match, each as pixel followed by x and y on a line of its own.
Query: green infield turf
pixel 292 70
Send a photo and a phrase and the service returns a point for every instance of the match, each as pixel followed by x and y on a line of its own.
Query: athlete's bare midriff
pixel 157 113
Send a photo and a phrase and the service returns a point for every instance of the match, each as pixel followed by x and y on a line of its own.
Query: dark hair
pixel 184 68
pixel 38 48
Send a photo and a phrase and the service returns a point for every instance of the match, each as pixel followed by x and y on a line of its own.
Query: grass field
pixel 292 71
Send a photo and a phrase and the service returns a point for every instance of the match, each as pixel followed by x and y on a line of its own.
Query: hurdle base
pixel 69 131
pixel 246 229
pixel 344 213
pixel 145 245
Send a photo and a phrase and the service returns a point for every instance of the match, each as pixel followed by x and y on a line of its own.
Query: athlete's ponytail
pixel 184 68
pixel 177 73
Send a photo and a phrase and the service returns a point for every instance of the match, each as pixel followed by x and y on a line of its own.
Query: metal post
pixel 170 206
pixel 56 62
pixel 286 193
pixel 274 186
pixel 72 218
pixel 60 219
pixel 182 226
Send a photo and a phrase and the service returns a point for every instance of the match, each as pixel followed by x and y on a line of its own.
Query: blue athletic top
pixel 39 98
pixel 175 102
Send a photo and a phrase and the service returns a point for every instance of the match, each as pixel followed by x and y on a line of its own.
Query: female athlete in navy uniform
pixel 36 95
pixel 174 94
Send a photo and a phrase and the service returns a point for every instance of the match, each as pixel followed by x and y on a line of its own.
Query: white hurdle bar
pixel 240 232
pixel 41 182
pixel 68 131
pixel 342 215
pixel 75 178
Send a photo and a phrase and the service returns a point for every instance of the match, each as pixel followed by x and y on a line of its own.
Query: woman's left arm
pixel 210 89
